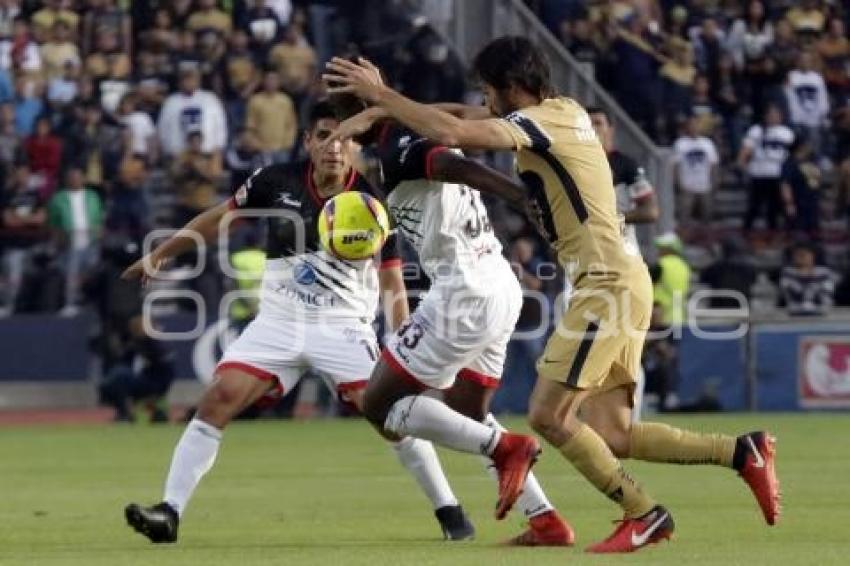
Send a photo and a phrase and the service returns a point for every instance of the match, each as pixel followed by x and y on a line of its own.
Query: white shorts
pixel 456 333
pixel 341 353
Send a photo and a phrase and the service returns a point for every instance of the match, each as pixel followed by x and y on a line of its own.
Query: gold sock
pixel 591 456
pixel 656 442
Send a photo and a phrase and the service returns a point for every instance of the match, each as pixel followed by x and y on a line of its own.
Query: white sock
pixel 193 457
pixel 420 459
pixel 532 501
pixel 430 419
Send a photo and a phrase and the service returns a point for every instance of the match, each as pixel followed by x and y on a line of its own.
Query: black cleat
pixel 159 523
pixel 455 523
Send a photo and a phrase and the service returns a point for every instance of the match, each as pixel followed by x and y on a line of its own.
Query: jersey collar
pixel 314 192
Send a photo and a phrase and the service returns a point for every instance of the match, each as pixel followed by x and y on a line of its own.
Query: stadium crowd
pixel 119 117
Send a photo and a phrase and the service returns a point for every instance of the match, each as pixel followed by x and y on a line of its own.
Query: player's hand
pixel 362 78
pixel 352 127
pixel 144 269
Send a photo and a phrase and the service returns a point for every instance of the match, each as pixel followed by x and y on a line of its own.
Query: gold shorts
pixel 598 343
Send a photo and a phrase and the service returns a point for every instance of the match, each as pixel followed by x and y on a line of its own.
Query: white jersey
pixel 808 101
pixel 695 157
pixel 769 148
pixel 302 281
pixel 447 224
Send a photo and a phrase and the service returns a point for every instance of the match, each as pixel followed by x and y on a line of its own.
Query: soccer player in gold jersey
pixel 583 399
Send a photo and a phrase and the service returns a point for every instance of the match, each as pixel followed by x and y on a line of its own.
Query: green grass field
pixel 329 492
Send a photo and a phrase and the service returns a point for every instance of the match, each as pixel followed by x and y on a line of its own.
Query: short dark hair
pixel 514 60
pixel 321 110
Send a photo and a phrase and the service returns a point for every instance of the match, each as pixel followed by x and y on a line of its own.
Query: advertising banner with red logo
pixel 824 372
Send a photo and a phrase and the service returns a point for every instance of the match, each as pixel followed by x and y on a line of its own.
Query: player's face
pixel 331 159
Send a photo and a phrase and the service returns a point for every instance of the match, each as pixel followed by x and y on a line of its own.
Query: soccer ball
pixel 353 226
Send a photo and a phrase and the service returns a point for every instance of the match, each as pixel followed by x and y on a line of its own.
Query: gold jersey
pixel 562 163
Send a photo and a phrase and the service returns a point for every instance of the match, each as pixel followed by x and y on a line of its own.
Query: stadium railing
pixel 469 24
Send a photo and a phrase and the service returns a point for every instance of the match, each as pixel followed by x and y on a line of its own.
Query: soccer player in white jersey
pixel 456 340
pixel 315 312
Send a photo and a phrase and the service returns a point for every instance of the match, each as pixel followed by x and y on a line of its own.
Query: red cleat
pixel 633 534
pixel 546 529
pixel 759 471
pixel 513 458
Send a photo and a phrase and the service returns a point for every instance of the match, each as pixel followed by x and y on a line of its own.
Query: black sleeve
pixel 258 190
pixel 391 252
pixel 406 156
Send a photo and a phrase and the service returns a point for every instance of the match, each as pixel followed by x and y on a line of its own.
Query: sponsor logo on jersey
pixel 304 274
pixel 286 200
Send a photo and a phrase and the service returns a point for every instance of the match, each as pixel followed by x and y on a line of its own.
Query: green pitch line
pixel 331 493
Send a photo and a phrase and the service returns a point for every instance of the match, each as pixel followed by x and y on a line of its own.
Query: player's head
pixel 603 125
pixel 328 159
pixel 512 69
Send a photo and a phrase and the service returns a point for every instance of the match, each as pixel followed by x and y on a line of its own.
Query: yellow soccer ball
pixel 353 226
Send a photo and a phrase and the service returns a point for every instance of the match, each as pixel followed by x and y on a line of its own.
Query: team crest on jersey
pixel 304 274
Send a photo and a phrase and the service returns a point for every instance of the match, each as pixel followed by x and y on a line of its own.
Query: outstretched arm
pixel 205 224
pixel 428 121
pixel 453 168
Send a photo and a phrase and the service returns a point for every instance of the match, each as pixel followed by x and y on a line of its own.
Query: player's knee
pixel 221 402
pixel 545 423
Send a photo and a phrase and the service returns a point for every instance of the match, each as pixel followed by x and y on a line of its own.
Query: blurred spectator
pixel 729 98
pixel 697 174
pixel 703 107
pixel 209 18
pixel 808 100
pixel 7 91
pixel 672 278
pixel 54 11
pixel 58 51
pixel 807 288
pixel 93 146
pixel 140 131
pixel 677 78
pixel 807 19
pixel 194 174
pixel 636 81
pixel 28 105
pixel 295 61
pixel 784 50
pixel 106 15
pixel 190 110
pixel 9 11
pixel 242 158
pixel 834 51
pixel 518 377
pixel 152 84
pixel 127 211
pixel 733 271
pixel 708 41
pixel 750 37
pixel 763 152
pixel 263 27
pixel 44 153
pixel 9 140
pixel 248 262
pixel 283 10
pixel 241 78
pixel 801 183
pixel 271 120
pixel 162 36
pixel 76 215
pixel 581 43
pixel 24 227
pixel 19 52
pixel 109 66
pixel 62 90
